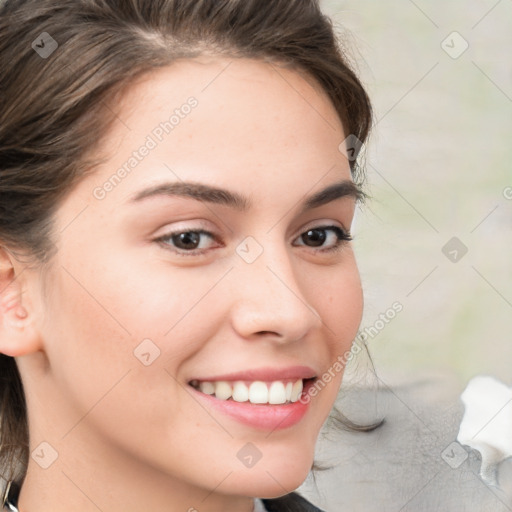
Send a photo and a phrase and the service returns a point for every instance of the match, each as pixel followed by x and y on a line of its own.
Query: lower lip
pixel 261 416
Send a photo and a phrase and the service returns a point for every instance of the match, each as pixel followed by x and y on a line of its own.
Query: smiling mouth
pixel 278 392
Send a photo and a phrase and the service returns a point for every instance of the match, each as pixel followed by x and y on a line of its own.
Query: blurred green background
pixel 439 164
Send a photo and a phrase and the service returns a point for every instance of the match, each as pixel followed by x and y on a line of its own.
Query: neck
pixel 87 477
pixel 65 492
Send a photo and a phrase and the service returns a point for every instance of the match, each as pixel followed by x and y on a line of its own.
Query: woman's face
pixel 258 287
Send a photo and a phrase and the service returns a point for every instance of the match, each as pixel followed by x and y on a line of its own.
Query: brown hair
pixel 62 61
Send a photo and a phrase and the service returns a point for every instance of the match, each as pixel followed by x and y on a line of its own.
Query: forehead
pixel 250 119
pixel 250 101
pixel 216 79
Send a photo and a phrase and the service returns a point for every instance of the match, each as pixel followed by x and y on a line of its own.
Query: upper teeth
pixel 257 392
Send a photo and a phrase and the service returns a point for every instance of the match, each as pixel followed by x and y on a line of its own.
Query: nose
pixel 268 299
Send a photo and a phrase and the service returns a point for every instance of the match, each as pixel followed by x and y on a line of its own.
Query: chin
pixel 273 478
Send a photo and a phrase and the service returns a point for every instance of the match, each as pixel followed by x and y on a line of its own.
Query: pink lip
pixel 265 374
pixel 261 416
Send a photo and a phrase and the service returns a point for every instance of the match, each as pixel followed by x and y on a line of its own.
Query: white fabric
pixel 487 424
pixel 258 506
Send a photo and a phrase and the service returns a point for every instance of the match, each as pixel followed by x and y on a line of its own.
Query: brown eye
pixel 186 240
pixel 187 243
pixel 317 237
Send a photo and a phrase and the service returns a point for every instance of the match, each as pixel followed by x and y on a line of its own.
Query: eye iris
pixel 187 240
pixel 317 236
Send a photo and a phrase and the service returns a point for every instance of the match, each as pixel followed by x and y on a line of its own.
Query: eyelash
pixel 342 237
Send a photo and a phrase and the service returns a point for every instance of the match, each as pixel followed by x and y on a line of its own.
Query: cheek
pixel 339 301
pixel 99 339
pixel 106 320
pixel 337 296
pixel 136 293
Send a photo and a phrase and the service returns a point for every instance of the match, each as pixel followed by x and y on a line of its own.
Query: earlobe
pixel 17 334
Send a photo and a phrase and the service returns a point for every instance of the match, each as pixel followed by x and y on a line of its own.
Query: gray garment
pixel 412 463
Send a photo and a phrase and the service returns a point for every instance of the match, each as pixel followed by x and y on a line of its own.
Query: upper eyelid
pixel 199 229
pixel 324 224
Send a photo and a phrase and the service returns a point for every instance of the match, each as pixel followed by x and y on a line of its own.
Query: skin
pixel 130 436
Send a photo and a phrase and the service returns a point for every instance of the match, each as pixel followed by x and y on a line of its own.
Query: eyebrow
pixel 215 195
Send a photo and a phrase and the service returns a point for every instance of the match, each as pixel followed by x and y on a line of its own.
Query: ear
pixel 18 335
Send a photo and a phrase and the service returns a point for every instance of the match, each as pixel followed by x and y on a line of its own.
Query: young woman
pixel 178 291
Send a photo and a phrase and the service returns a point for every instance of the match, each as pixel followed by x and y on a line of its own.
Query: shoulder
pixel 292 502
